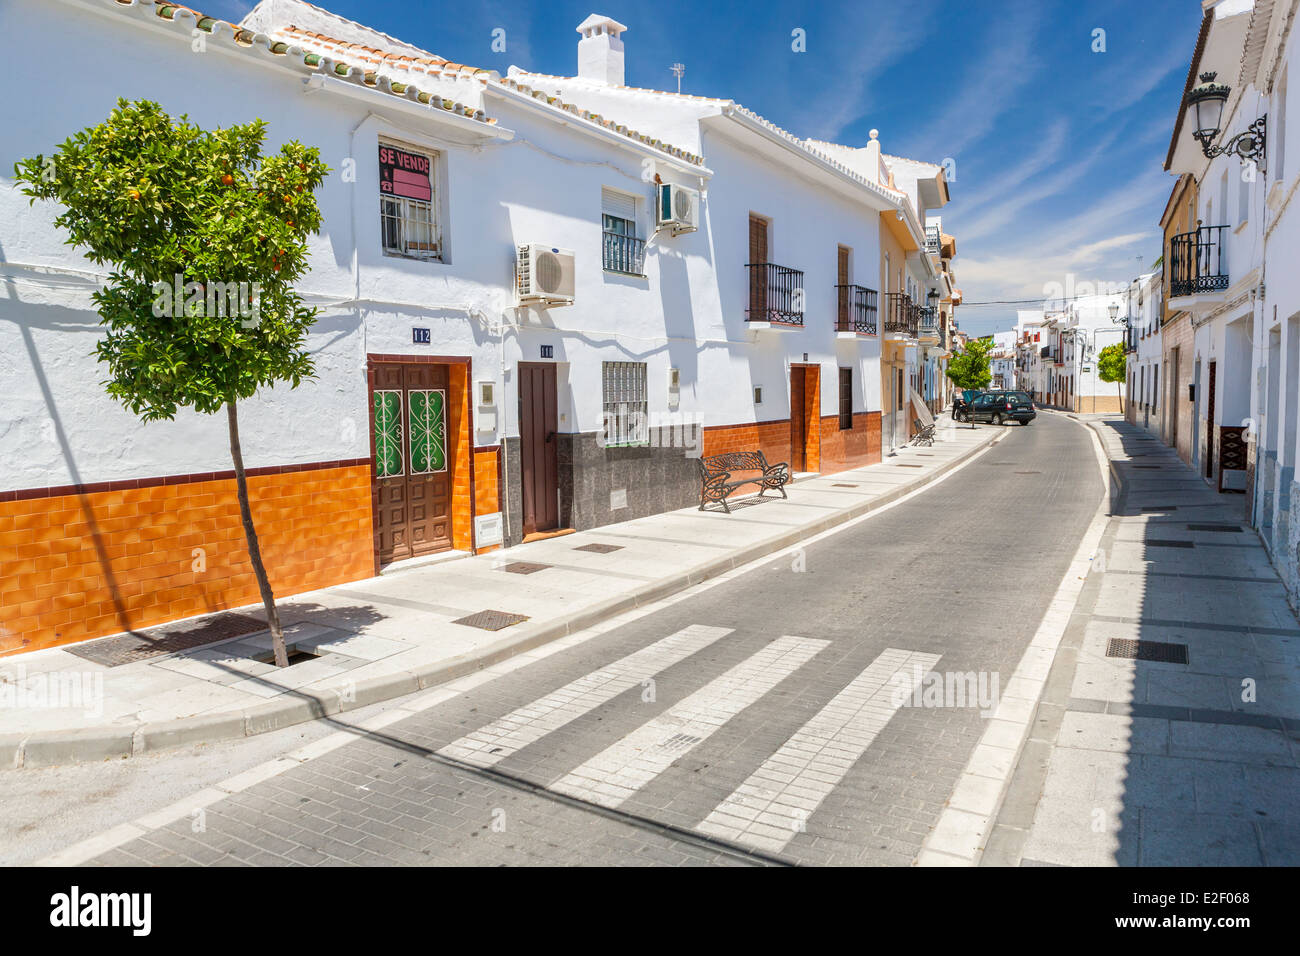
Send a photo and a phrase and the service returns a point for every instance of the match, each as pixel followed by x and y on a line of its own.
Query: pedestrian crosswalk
pixel 623 768
pixel 776 800
pixel 525 725
pixel 774 804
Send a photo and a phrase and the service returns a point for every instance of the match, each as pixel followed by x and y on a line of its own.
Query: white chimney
pixel 600 51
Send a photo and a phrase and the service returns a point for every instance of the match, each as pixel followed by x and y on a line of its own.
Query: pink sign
pixel 404 174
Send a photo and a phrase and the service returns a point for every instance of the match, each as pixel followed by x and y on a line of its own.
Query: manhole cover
pixel 1168 543
pixel 1215 527
pixel 524 567
pixel 491 620
pixel 1147 651
pixel 600 548
pixel 166 639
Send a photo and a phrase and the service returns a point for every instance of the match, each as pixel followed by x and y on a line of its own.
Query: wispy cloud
pixel 988 86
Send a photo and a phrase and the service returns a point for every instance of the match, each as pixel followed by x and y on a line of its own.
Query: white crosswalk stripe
pixel 491 744
pixel 620 770
pixel 769 808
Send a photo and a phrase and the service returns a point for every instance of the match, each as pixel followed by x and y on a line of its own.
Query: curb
pixel 85 745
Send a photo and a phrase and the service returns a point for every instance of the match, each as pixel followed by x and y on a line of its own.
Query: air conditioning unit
pixel 544 275
pixel 678 208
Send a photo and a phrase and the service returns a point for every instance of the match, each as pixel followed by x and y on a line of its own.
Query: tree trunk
pixel 1119 391
pixel 250 533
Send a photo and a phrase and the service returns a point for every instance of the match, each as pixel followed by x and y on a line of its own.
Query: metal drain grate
pixel 491 620
pixel 524 567
pixel 843 485
pixel 1159 507
pixel 600 548
pixel 903 465
pixel 1150 467
pixel 1028 472
pixel 1215 527
pixel 679 742
pixel 166 639
pixel 1147 651
pixel 1168 543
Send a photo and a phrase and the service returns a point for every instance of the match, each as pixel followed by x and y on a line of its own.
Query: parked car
pixel 1001 406
pixel 962 402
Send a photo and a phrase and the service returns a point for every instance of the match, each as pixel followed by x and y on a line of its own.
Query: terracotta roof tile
pixel 312 60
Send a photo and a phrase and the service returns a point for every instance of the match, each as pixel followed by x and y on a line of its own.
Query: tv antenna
pixel 678 69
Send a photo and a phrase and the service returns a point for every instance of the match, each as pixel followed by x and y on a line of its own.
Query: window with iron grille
pixel 625 406
pixel 408 218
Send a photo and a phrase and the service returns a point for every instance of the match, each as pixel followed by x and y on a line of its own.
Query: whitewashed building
pixel 579 288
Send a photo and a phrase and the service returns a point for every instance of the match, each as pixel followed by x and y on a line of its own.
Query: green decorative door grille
pixel 428 431
pixel 388 433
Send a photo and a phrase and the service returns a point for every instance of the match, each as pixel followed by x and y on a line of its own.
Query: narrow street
pixel 596 756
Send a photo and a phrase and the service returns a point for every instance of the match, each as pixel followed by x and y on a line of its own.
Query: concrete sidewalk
pixel 393 635
pixel 1147 760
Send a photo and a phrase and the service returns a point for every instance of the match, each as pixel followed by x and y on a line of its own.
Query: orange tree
pixel 204 237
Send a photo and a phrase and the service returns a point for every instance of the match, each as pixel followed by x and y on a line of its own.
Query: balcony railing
pixel 625 254
pixel 901 315
pixel 856 309
pixel 775 294
pixel 929 320
pixel 933 239
pixel 1196 262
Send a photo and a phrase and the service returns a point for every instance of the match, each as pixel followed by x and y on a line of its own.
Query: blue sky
pixel 1057 149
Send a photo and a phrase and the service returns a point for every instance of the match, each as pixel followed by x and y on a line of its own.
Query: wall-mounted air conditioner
pixel 544 275
pixel 678 208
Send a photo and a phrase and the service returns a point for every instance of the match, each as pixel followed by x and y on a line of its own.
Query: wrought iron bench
pixel 716 471
pixel 924 433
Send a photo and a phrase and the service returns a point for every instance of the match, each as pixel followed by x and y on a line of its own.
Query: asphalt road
pixel 690 753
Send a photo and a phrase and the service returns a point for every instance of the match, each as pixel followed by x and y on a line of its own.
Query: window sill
pixel 619 272
pixel 389 254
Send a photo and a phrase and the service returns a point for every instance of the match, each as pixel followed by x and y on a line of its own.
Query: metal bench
pixel 716 471
pixel 924 433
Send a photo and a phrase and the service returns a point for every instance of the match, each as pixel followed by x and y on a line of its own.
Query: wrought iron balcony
pixel 929 320
pixel 625 254
pixel 901 314
pixel 1196 263
pixel 776 294
pixel 933 240
pixel 855 309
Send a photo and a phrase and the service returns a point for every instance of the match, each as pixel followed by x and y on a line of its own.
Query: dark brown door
pixel 537 425
pixel 798 434
pixel 757 276
pixel 411 471
pixel 1209 425
pixel 842 280
pixel 846 398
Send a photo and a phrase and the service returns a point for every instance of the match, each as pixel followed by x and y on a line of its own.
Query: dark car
pixel 1001 406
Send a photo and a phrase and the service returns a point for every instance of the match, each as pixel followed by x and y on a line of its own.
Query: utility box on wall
pixel 487 530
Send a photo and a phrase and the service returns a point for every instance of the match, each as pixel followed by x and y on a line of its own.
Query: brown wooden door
pixel 757 277
pixel 411 465
pixel 1209 425
pixel 842 280
pixel 798 434
pixel 540 468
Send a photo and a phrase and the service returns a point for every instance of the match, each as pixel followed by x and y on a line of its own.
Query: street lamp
pixel 1205 103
